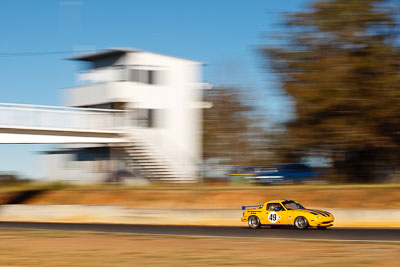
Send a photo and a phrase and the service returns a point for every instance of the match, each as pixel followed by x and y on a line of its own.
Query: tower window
pixel 143 76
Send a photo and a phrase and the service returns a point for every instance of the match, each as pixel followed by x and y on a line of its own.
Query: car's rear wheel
pixel 301 223
pixel 254 222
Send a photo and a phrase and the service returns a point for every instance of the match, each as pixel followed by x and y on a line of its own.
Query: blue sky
pixel 223 33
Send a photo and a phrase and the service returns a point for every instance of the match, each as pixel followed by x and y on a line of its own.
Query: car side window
pixel 271 206
pixel 274 207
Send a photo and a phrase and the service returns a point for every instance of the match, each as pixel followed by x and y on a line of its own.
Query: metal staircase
pixel 141 156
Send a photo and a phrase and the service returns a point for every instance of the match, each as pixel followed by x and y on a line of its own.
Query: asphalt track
pixel 339 234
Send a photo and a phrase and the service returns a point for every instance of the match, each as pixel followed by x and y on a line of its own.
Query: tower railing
pixel 62 118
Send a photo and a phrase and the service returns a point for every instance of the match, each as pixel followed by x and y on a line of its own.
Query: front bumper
pixel 324 222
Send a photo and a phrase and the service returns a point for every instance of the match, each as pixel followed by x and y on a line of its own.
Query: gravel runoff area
pixel 61 248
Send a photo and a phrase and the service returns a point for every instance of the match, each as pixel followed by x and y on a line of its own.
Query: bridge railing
pixel 58 117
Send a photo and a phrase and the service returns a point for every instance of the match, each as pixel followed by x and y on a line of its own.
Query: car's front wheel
pixel 254 222
pixel 301 223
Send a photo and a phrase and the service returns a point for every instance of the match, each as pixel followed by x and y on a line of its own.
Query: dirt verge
pixel 342 198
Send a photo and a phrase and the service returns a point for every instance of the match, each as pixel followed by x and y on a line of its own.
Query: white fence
pixel 64 118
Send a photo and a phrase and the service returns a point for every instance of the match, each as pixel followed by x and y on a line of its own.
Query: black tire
pixel 301 223
pixel 322 227
pixel 254 222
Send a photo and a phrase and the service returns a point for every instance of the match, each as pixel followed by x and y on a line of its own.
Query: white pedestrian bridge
pixel 38 124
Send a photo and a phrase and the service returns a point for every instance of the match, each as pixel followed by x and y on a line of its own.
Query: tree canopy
pixel 231 133
pixel 340 63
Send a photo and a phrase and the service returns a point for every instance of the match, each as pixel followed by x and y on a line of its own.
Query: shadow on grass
pixel 24 196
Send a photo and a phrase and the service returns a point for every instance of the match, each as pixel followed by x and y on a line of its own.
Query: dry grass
pixel 219 199
pixel 204 197
pixel 52 248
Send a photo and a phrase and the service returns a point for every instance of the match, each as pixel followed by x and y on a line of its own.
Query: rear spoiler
pixel 255 206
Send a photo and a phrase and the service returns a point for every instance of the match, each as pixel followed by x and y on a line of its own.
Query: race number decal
pixel 273 217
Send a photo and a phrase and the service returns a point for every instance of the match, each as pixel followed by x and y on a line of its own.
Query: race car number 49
pixel 273 217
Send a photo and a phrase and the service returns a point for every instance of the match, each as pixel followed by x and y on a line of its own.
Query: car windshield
pixel 292 205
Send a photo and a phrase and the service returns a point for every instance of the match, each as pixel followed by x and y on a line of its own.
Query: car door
pixel 274 213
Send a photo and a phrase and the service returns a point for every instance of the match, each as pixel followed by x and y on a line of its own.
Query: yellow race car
pixel 285 213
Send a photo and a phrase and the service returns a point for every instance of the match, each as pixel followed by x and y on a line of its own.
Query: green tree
pixel 339 62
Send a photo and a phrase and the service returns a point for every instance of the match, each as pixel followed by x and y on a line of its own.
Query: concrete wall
pixel 117 214
pixel 74 171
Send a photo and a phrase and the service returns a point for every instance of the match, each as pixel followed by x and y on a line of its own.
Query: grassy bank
pixel 381 196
